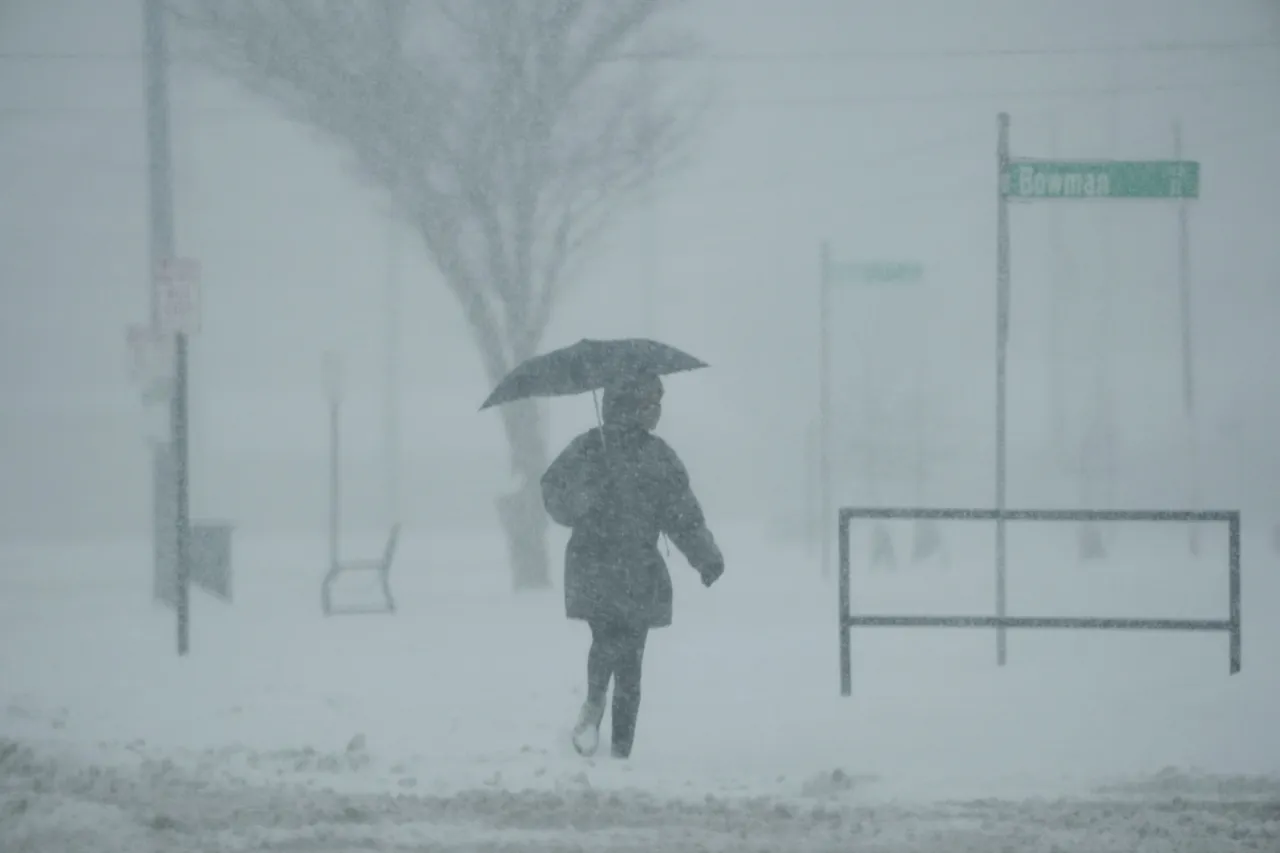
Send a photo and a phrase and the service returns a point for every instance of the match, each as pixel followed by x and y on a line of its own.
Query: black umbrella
pixel 589 365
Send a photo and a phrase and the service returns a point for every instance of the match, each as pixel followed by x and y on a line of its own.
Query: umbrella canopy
pixel 589 365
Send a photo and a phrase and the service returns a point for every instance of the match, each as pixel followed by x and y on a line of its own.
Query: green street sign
pixel 878 272
pixel 1036 179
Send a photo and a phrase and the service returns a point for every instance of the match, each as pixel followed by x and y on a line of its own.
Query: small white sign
pixel 177 289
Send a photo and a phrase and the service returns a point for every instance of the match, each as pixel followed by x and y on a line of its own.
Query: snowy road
pixel 54 804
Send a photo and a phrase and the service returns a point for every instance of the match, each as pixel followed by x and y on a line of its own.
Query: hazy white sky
pixel 871 124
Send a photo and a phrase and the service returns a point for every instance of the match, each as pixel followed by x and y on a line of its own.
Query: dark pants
pixel 617 651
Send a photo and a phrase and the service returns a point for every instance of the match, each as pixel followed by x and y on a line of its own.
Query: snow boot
pixel 586 734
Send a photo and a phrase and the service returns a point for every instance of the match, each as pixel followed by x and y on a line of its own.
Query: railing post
pixel 1233 555
pixel 846 661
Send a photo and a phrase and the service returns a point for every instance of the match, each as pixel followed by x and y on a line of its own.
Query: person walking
pixel 618 487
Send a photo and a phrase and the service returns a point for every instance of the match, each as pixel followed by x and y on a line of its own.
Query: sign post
pixel 1025 179
pixel 209 552
pixel 1188 360
pixel 175 283
pixel 1002 345
pixel 172 286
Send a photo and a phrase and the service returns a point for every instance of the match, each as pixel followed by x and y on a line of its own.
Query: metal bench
pixel 380 566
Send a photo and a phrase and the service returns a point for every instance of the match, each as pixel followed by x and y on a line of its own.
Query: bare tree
pixel 508 133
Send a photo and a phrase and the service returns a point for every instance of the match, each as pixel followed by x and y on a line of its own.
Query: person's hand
pixel 712 573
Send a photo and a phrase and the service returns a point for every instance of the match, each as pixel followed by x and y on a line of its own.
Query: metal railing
pixel 1001 620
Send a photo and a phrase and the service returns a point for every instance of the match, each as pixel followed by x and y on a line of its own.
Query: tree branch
pixel 509 132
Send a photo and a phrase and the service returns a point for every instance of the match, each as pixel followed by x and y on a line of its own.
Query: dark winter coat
pixel 618 501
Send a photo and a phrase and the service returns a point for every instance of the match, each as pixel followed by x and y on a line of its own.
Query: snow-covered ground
pixel 445 727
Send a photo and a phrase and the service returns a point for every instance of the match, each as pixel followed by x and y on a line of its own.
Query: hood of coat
pixel 635 402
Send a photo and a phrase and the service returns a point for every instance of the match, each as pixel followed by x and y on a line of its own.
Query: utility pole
pixel 160 183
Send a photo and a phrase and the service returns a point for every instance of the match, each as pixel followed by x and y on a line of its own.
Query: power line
pixel 783 102
pixel 67 56
pixel 873 54
pixel 824 101
pixel 791 57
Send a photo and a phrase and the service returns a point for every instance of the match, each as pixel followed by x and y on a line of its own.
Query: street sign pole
pixel 160 180
pixel 1188 361
pixel 825 529
pixel 1026 179
pixel 1002 344
pixel 1057 301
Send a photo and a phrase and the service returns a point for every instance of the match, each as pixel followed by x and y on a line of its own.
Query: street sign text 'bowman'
pixel 1036 179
